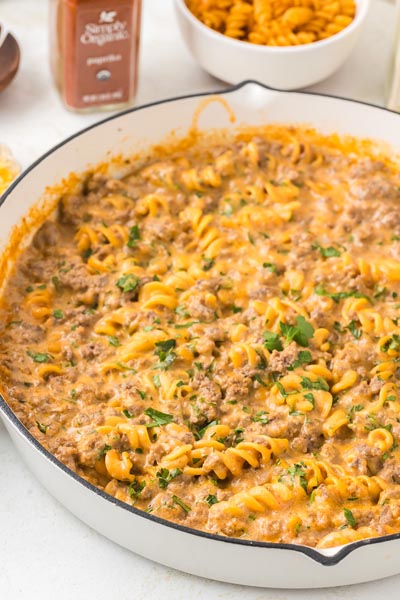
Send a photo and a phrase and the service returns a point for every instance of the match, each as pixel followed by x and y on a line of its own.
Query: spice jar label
pixel 99 61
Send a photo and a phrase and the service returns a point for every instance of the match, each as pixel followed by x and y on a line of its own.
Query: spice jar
pixel 94 47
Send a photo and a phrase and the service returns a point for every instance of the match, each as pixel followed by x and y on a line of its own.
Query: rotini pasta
pixel 275 22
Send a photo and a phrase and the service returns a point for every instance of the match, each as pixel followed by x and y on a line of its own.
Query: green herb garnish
pixel 211 499
pixel 355 408
pixel 128 283
pixel 319 384
pixel 180 503
pixel 349 517
pixel 320 290
pixel 165 476
pixel 270 266
pixel 128 414
pixel 165 354
pixel 156 381
pixel 297 470
pixel 236 309
pixel 135 488
pixel 272 341
pixel 208 263
pixel 354 329
pixel 134 236
pixel 310 397
pixel 393 343
pixel 202 431
pixel 39 357
pixel 300 333
pixel 328 252
pixel 159 418
pixel 303 358
pixel 261 417
pixel 103 451
pixel 41 427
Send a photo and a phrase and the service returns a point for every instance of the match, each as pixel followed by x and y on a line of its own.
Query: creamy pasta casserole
pixel 214 338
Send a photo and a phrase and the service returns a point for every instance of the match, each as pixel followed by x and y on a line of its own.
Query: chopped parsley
pixel 375 424
pixel 199 433
pixel 208 263
pixel 134 236
pixel 181 503
pixel 41 427
pixel 272 341
pixel 300 333
pixel 270 266
pixel 103 451
pixel 259 380
pixel 237 438
pixel 164 351
pixel 211 499
pixel 156 381
pixel 380 291
pixel 328 252
pixel 355 408
pixel 303 358
pixel 310 397
pixel 236 309
pixel 128 283
pixel 39 357
pixel 128 414
pixel 55 281
pixel 165 346
pixel 297 470
pixel 281 389
pixel 113 341
pixel 185 325
pixel 159 418
pixel 320 290
pixel 319 384
pixel 393 343
pixel 182 312
pixel 354 329
pixel 349 517
pixel 261 417
pixel 135 489
pixel 165 364
pixel 165 476
pixel 337 327
pixel 58 313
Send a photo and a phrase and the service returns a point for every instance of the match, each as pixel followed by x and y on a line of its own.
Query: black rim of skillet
pixel 312 553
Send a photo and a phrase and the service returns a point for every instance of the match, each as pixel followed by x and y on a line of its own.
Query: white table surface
pixel 45 552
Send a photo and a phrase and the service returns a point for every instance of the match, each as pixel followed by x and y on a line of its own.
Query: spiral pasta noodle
pixel 275 22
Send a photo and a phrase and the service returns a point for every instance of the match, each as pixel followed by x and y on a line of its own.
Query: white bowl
pixel 285 68
pixel 225 559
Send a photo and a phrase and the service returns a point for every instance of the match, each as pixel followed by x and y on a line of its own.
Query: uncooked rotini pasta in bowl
pixel 287 44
